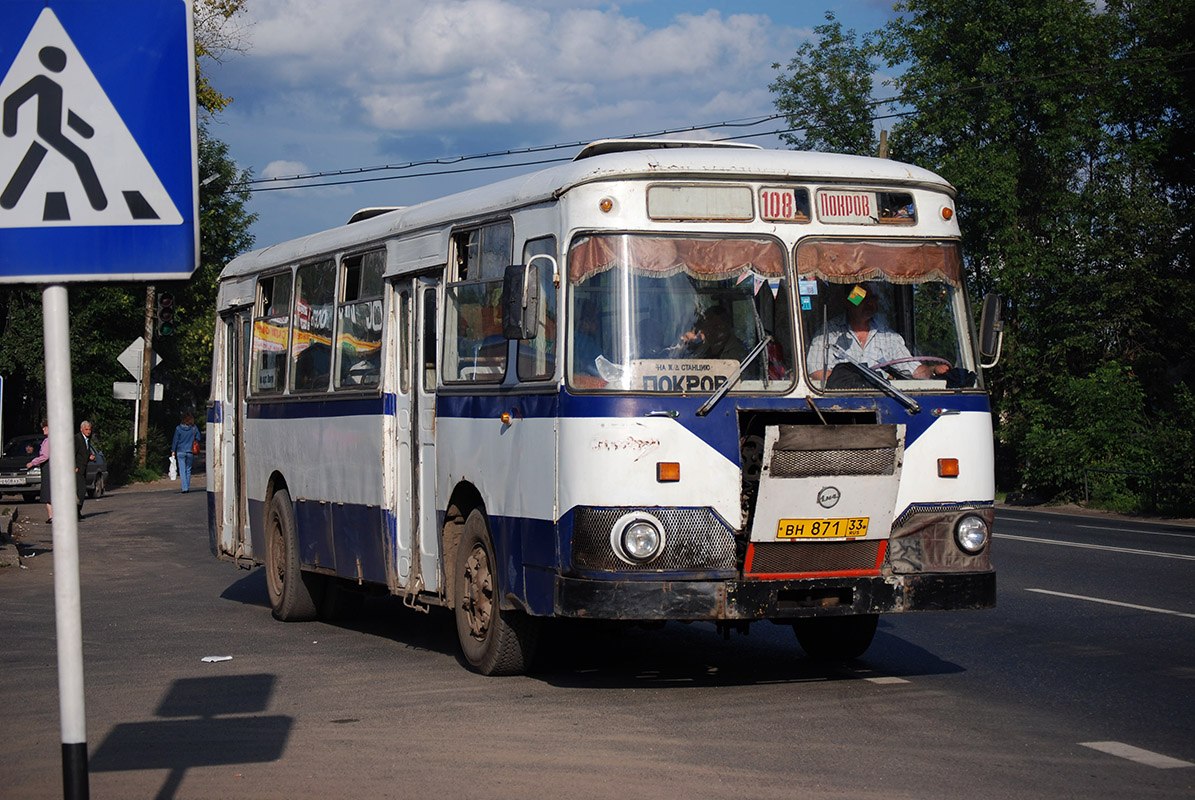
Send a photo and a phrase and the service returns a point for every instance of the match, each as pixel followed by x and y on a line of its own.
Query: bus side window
pixel 359 321
pixel 474 345
pixel 404 342
pixel 537 357
pixel 429 340
pixel 271 334
pixel 311 348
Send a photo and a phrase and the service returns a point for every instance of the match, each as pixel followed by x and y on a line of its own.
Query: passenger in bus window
pixel 712 336
pixel 864 334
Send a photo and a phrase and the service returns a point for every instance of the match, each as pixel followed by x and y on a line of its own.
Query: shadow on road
pixel 203 722
pixel 582 653
pixel 249 590
pixel 605 654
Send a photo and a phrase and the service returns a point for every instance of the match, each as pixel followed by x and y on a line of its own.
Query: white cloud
pixel 284 169
pixel 408 66
pixel 334 86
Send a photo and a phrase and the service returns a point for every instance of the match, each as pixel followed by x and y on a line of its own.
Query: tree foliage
pixel 217 34
pixel 825 92
pixel 224 223
pixel 1066 128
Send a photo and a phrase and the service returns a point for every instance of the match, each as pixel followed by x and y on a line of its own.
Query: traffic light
pixel 165 313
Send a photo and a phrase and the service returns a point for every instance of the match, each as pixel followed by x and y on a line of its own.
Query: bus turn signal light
pixel 667 472
pixel 947 467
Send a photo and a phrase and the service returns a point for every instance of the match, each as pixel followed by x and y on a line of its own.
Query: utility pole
pixel 146 381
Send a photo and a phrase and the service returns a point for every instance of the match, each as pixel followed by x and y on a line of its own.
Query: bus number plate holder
pixel 840 528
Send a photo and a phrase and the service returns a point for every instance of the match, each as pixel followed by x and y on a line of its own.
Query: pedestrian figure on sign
pixel 49 130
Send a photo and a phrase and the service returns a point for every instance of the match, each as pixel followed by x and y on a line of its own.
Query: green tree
pixel 1060 124
pixel 825 92
pixel 224 223
pixel 1066 129
pixel 217 34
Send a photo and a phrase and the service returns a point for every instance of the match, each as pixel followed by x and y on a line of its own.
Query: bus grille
pixel 803 558
pixel 694 539
pixel 811 463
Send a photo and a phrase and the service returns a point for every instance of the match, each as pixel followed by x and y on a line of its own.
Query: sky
pixel 326 87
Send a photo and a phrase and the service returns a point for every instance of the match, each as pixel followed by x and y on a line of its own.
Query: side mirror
pixel 991 330
pixel 520 301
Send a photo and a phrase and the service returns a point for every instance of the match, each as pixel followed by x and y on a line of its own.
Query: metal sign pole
pixel 68 607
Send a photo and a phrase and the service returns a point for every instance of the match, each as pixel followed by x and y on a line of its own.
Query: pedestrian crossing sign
pixel 98 170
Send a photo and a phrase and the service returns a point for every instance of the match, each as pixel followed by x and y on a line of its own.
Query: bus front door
pixel 415 429
pixel 427 523
pixel 228 473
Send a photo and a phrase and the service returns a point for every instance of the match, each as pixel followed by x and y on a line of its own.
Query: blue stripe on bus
pixel 720 428
pixel 292 408
pixel 358 541
pixel 352 539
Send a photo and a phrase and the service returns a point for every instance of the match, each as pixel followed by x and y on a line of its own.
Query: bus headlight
pixel 637 537
pixel 971 534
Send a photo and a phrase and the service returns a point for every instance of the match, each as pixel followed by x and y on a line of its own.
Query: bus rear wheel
pixel 494 641
pixel 836 638
pixel 293 593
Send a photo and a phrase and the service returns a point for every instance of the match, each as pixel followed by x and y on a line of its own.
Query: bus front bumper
pixel 773 599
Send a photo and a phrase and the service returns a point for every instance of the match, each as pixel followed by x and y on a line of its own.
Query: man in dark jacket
pixel 83 456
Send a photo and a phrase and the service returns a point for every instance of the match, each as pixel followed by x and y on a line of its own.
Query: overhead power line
pixel 447 160
pixel 312 180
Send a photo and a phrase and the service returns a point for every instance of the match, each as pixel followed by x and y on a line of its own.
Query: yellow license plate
pixel 822 528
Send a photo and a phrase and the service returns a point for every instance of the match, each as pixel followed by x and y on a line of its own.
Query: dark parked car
pixel 15 479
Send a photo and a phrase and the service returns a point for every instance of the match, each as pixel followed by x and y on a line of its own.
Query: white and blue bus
pixel 665 381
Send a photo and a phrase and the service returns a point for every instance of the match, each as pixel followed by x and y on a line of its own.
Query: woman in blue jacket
pixel 183 448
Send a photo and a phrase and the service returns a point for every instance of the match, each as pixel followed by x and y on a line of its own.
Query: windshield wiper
pixel 876 378
pixel 708 405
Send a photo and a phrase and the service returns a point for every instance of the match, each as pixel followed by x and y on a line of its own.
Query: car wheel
pixel 97 487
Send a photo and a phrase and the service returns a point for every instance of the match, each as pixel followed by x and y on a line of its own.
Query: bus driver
pixel 864 335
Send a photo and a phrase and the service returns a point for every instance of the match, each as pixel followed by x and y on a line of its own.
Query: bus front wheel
pixel 836 638
pixel 494 641
pixel 293 593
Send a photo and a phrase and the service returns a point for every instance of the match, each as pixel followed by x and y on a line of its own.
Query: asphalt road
pixel 1089 655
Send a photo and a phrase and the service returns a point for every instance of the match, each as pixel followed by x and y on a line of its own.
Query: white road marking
pixel 1137 530
pixel 1113 603
pixel 1179 556
pixel 1146 757
pixel 886 679
pixel 1027 521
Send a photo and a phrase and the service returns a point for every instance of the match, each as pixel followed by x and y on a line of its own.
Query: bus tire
pixel 293 593
pixel 494 641
pixel 836 638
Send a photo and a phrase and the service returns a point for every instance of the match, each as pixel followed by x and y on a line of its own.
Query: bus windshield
pixel 894 306
pixel 678 315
